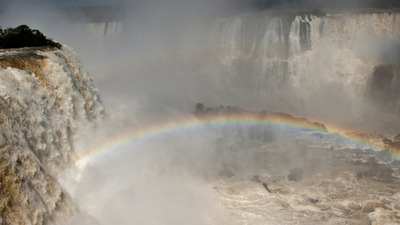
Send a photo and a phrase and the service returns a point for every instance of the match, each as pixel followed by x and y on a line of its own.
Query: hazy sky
pixel 61 3
pixel 255 3
pixel 258 4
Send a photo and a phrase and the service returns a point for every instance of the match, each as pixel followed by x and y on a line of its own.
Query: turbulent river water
pixel 152 160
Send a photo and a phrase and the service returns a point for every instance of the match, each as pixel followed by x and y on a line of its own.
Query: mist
pixel 162 58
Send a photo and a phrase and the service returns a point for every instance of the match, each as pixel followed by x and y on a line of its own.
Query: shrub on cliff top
pixel 23 36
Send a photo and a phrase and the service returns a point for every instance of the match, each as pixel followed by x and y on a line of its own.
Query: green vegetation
pixel 23 36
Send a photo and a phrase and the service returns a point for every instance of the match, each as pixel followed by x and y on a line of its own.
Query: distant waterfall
pixel 304 53
pixel 106 29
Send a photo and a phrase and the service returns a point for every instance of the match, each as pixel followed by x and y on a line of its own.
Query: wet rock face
pixel 384 87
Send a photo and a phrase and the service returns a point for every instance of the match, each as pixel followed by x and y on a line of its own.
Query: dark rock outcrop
pixel 375 170
pixel 263 115
pixel 384 87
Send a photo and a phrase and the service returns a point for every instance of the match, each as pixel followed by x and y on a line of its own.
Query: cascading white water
pixel 252 52
pixel 45 98
pixel 313 58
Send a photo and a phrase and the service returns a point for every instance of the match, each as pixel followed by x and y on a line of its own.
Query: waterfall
pixel 45 98
pixel 307 55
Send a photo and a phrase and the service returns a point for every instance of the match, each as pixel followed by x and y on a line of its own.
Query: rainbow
pixel 193 123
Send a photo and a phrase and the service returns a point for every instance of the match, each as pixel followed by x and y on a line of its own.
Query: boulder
pixel 397 137
pixel 226 173
pixel 295 174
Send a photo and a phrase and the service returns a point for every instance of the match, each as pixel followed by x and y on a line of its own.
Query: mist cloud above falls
pixel 169 179
pixel 162 63
pixel 148 67
pixel 169 57
pixel 166 59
